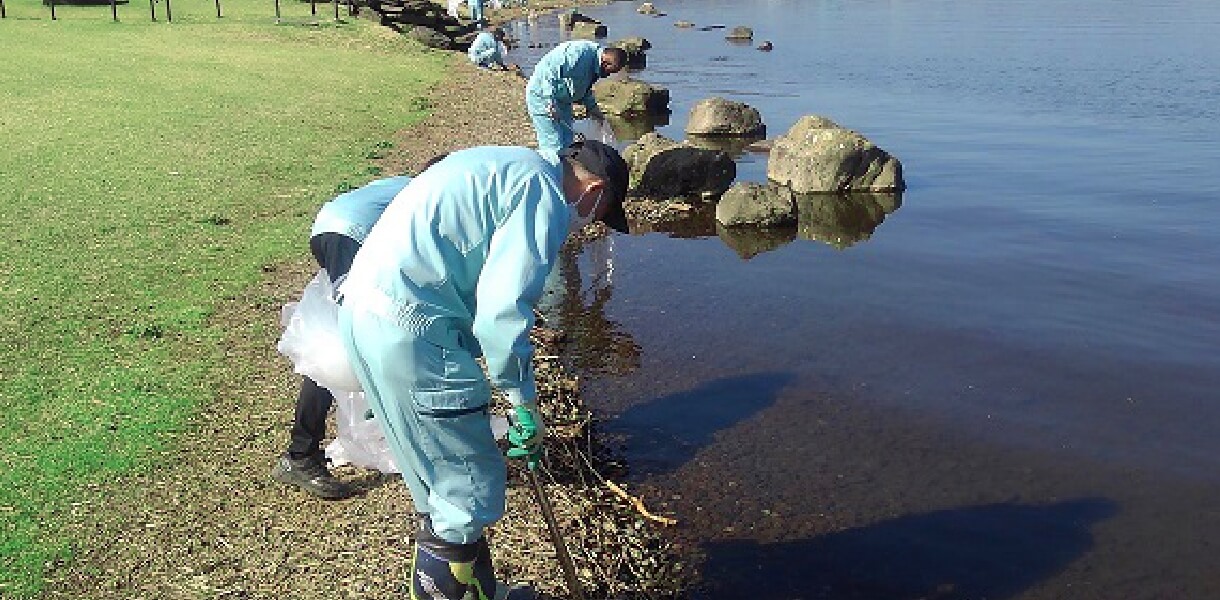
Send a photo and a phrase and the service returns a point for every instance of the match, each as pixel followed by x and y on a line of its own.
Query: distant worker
pixel 476 10
pixel 338 230
pixel 563 77
pixel 487 50
pixel 452 272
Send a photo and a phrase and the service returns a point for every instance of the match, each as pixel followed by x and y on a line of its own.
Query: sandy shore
pixel 212 524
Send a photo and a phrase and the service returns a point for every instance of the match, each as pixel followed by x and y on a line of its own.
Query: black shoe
pixel 311 475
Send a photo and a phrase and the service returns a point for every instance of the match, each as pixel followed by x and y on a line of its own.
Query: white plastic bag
pixel 359 441
pixel 311 337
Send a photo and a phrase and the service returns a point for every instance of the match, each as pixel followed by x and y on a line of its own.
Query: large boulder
pixel 663 168
pixel 818 156
pixel 756 204
pixel 570 18
pixel 636 49
pixel 842 220
pixel 429 37
pixel 718 116
pixel 626 96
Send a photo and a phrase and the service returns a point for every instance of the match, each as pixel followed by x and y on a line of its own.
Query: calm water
pixel 1010 389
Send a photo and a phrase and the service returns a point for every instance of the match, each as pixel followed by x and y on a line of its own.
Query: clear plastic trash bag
pixel 311 337
pixel 359 440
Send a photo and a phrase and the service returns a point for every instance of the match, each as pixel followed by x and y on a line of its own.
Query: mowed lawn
pixel 148 171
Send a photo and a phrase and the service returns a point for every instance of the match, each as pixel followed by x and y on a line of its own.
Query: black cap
pixel 605 162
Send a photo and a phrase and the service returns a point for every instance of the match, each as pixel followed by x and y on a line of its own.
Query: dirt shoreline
pixel 210 523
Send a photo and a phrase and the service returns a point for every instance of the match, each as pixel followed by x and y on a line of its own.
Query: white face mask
pixel 576 222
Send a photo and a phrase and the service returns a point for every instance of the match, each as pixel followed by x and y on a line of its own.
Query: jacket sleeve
pixel 522 251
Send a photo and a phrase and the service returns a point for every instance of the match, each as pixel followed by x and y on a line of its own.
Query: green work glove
pixel 526 433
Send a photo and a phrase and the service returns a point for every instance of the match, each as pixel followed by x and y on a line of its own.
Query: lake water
pixel 1010 388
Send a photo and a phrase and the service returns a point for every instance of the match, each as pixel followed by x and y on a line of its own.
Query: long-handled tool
pixel 561 549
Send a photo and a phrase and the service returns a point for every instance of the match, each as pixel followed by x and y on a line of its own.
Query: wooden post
pixel 3 14
pixel 152 9
pixel 169 14
pixel 114 10
pixel 336 3
pixel 52 10
pixel 277 11
pixel 313 7
pixel 217 9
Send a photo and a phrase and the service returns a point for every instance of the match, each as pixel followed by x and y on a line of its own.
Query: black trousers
pixel 334 252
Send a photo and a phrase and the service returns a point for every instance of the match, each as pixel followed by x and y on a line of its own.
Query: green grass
pixel 149 171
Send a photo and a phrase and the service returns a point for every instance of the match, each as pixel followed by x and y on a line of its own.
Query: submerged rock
pixel 740 33
pixel 843 220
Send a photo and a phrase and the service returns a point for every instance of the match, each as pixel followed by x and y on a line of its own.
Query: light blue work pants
pixel 431 399
pixel 553 134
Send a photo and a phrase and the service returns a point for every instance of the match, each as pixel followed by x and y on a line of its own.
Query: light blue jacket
pixel 485 50
pixel 564 76
pixel 353 213
pixel 467 246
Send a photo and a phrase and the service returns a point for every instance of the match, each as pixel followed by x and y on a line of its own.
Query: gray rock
pixel 647 8
pixel 683 24
pixel 818 156
pixel 740 33
pixel 757 204
pixel 626 96
pixel 718 116
pixel 663 168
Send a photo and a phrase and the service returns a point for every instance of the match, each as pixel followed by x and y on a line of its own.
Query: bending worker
pixel 562 77
pixel 487 48
pixel 451 272
pixel 339 228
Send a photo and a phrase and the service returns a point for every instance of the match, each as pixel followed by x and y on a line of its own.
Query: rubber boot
pixel 485 586
pixel 441 570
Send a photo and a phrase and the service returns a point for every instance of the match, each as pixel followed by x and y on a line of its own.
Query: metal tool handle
pixel 561 549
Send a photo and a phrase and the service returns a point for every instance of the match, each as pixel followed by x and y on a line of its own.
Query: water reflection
pixel 843 220
pixel 732 145
pixel 993 551
pixel 632 128
pixel 749 242
pixel 576 304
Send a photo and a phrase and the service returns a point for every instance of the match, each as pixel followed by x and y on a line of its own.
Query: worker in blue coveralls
pixel 563 76
pixel 339 228
pixel 476 11
pixel 452 272
pixel 485 50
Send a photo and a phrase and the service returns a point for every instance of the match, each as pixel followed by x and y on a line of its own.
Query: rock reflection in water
pixel 632 128
pixel 749 242
pixel 733 146
pixel 842 220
